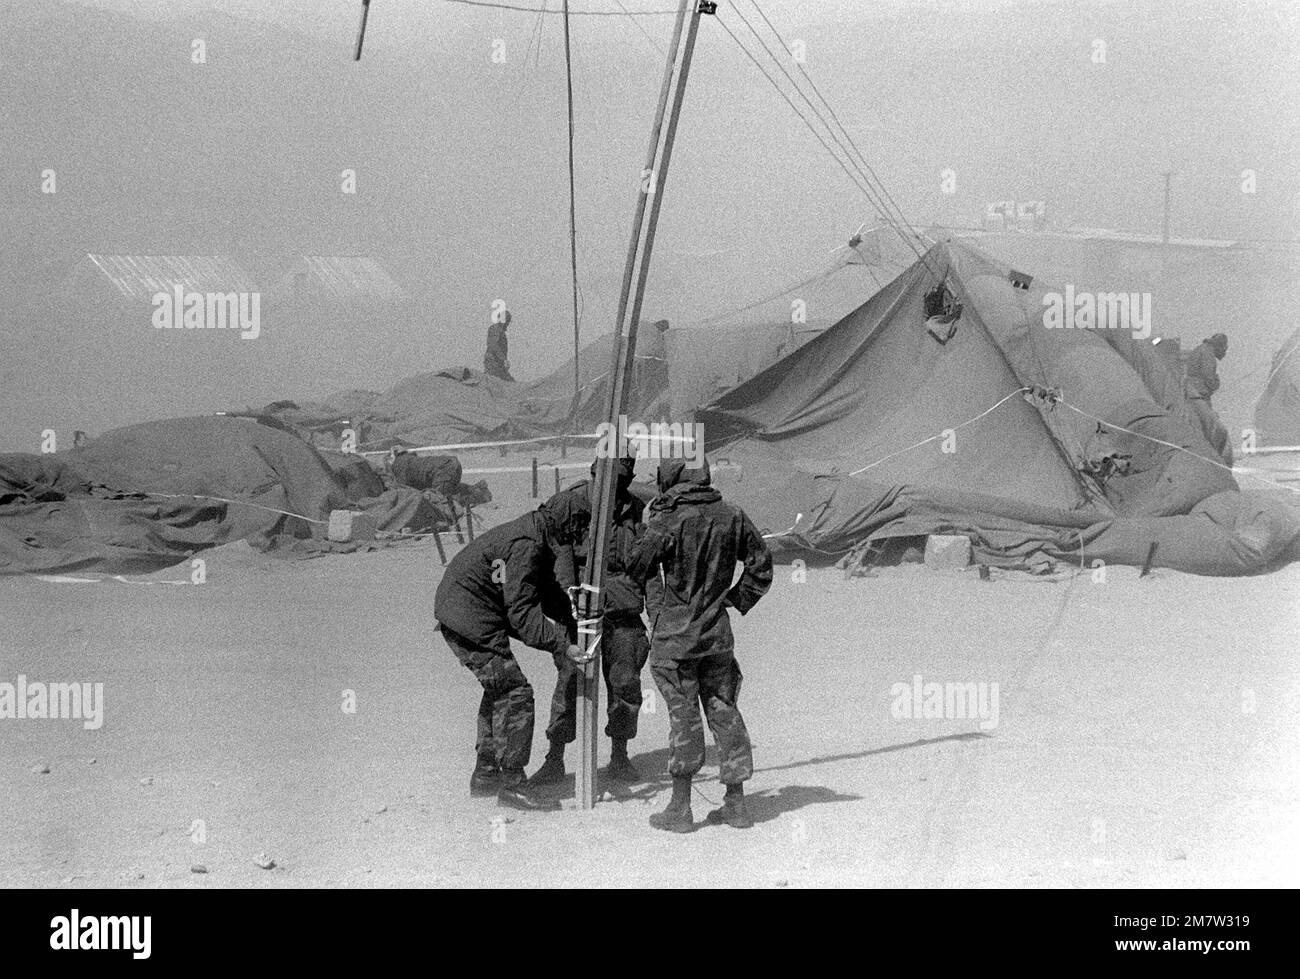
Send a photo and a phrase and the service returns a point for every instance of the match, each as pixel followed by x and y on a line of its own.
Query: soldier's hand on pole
pixel 578 656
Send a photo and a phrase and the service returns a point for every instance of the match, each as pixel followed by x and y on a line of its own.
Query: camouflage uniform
pixel 624 651
pixel 502 586
pixel 687 557
pixel 505 714
pixel 713 681
pixel 624 646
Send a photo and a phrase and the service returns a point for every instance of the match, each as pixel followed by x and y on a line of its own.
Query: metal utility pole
pixel 1165 234
pixel 652 183
pixel 573 219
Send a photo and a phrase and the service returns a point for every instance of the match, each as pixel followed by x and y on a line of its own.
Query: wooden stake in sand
pixel 361 31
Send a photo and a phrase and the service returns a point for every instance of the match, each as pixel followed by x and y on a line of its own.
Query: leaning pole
pixel 590 599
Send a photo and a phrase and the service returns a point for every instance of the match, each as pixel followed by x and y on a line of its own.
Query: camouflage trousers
pixel 624 650
pixel 714 682
pixel 505 714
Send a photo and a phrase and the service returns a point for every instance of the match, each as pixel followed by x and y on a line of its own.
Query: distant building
pixel 339 280
pixel 128 283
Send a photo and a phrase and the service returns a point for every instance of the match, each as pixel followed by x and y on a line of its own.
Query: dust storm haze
pixel 461 191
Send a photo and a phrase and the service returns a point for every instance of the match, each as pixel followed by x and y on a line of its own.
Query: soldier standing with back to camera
pixel 693 541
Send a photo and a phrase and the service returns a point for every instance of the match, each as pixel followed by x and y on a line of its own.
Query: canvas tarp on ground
pixel 460 405
pixel 1034 441
pixel 147 496
pixel 1277 415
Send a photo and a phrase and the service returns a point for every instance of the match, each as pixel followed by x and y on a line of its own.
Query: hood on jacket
pixel 673 472
pixel 567 516
pixel 624 471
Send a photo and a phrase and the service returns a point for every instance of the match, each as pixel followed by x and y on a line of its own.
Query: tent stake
pixel 1151 556
pixel 361 31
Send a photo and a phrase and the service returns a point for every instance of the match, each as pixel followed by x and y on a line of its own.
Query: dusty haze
pixel 460 164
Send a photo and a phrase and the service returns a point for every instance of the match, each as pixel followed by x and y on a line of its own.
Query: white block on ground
pixel 351 525
pixel 947 552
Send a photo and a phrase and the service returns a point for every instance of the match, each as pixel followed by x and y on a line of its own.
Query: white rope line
pixel 1194 455
pixel 933 438
pixel 484 445
pixel 224 499
pixel 1085 414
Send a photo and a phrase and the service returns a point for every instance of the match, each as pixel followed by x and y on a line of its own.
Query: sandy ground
pixel 1146 735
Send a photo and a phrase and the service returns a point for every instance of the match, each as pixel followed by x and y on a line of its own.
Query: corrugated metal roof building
pixel 353 279
pixel 140 277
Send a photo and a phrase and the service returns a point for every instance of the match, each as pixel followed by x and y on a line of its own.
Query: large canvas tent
pixel 1277 415
pixel 1040 444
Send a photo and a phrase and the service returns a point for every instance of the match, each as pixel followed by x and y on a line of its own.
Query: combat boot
pixel 620 766
pixel 552 770
pixel 677 817
pixel 516 793
pixel 733 811
pixel 485 781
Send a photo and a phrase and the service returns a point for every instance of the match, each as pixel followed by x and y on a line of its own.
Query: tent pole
pixel 573 217
pixel 644 272
pixel 590 602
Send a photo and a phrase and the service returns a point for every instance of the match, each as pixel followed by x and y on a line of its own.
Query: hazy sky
pixel 461 160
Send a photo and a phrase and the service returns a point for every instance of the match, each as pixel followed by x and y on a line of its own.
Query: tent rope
pixel 1194 455
pixel 933 438
pixel 222 499
pixel 859 179
pixel 861 163
pixel 1102 421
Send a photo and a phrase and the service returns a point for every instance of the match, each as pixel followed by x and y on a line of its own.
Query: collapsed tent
pixel 462 405
pixel 945 404
pixel 705 362
pixel 1277 415
pixel 147 496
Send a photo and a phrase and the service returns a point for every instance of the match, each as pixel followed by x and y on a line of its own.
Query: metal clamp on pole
pixel 589 613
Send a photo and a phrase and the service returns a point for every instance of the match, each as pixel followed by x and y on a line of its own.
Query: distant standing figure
pixel 496 359
pixel 1201 373
pixel 1202 369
